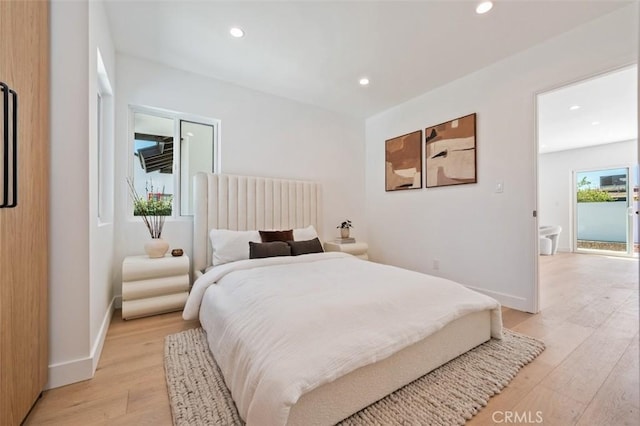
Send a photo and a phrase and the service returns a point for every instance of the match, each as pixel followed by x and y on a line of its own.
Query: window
pixel 169 148
pixel 104 144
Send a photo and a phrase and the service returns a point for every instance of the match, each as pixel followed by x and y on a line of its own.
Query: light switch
pixel 499 187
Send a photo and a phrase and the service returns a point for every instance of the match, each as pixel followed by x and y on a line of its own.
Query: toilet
pixel 548 244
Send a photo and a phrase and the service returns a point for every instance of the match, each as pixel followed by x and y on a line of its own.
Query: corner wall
pixel 80 247
pixel 483 239
pixel 261 135
pixel 101 156
pixel 69 244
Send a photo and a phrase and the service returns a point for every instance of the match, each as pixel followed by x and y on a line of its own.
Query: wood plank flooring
pixel 129 386
pixel 587 376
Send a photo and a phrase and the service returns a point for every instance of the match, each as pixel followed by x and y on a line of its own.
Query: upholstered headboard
pixel 243 203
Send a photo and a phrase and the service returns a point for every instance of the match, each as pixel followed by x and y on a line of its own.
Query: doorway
pixel 588 174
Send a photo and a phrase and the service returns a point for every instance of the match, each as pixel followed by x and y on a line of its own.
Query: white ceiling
pixel 315 52
pixel 610 100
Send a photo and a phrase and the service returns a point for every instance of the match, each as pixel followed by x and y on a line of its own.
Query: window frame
pixel 177 117
pixel 105 127
pixel 99 143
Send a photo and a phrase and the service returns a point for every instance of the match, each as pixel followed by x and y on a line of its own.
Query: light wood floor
pixel 588 375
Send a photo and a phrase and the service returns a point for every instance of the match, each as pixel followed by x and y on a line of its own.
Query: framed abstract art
pixel 450 152
pixel 403 162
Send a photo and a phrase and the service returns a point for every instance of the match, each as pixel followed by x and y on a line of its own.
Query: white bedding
pixel 280 327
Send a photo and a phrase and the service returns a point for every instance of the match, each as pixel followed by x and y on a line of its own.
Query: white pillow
pixel 304 234
pixel 230 246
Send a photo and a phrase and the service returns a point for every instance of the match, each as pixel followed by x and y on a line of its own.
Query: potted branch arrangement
pixel 153 210
pixel 344 228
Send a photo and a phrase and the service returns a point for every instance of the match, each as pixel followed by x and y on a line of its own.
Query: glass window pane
pixel 196 155
pixel 601 210
pixel 153 163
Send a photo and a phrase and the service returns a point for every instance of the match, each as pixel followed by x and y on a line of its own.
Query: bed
pixel 250 307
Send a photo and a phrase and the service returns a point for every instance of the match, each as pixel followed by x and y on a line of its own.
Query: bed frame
pixel 245 203
pixel 248 203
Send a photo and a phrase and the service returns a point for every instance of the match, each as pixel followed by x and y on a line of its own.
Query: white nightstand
pixel 357 249
pixel 154 286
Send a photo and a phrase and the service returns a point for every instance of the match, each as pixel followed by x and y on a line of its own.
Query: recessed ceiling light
pixel 484 7
pixel 574 107
pixel 236 32
pixel 364 81
pixel 595 123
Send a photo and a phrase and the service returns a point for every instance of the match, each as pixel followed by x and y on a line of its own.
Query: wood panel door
pixel 24 235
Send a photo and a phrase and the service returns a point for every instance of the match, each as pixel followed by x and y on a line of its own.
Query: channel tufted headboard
pixel 243 203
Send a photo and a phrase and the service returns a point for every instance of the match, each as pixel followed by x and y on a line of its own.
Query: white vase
pixel 156 247
pixel 344 232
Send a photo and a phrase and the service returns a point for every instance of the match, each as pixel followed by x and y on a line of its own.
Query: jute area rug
pixel 449 395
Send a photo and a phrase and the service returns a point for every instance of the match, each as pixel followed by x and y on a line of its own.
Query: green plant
pixel 586 194
pixel 152 209
pixel 345 225
pixel 591 195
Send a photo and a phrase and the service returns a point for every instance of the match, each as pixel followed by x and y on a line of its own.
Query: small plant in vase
pixel 153 209
pixel 344 228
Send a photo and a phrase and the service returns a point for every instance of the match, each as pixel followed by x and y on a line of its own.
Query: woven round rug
pixel 449 395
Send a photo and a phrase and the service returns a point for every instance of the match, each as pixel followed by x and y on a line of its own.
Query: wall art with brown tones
pixel 451 152
pixel 403 159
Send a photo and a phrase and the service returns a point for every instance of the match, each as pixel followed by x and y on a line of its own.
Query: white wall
pixel 261 135
pixel 80 248
pixel 69 335
pixel 555 180
pixel 101 236
pixel 484 239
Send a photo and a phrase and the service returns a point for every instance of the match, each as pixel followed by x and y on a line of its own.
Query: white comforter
pixel 280 327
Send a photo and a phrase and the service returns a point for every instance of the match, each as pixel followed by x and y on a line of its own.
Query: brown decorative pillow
pixel 272 249
pixel 269 236
pixel 305 247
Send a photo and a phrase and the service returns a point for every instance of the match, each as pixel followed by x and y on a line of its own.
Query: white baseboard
pixel 507 300
pixel 81 369
pixel 65 373
pixel 96 351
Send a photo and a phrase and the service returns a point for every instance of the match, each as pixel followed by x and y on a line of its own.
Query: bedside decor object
pixel 153 209
pixel 344 228
pixel 177 252
pixel 403 162
pixel 156 247
pixel 451 152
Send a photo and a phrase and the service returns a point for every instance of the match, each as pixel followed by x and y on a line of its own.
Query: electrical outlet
pixel 436 265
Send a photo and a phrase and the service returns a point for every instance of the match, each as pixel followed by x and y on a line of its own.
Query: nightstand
pixel 154 286
pixel 357 249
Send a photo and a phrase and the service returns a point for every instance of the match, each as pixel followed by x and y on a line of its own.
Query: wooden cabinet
pixel 24 235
